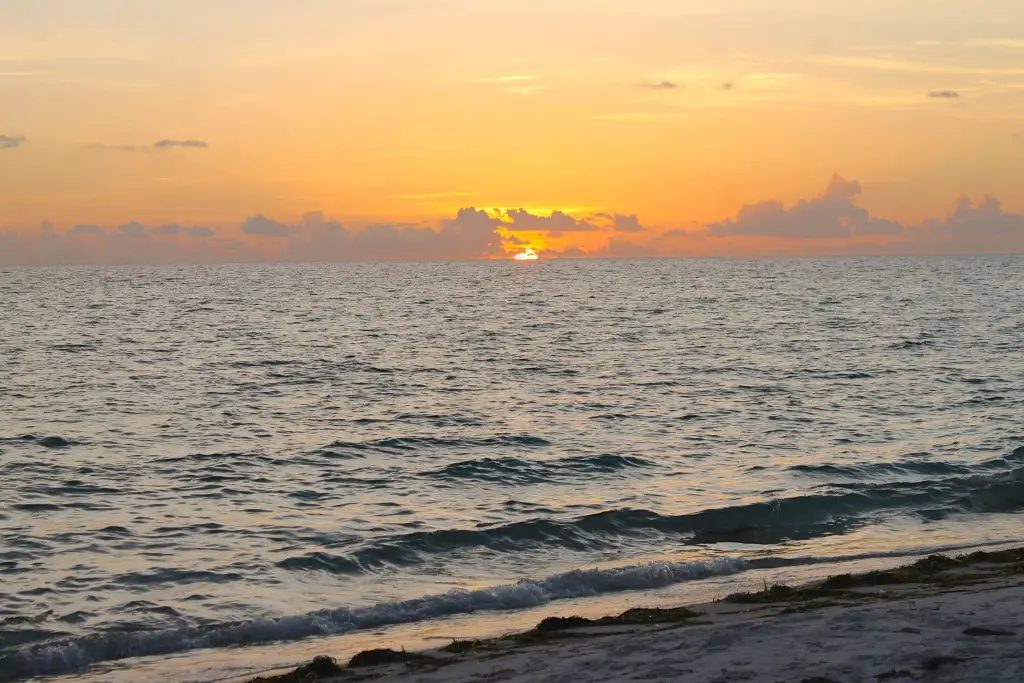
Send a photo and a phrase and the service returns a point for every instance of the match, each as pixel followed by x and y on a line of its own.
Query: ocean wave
pixel 919 465
pixel 879 469
pixel 75 654
pixel 834 508
pixel 520 471
pixel 215 458
pixel 400 444
pixel 269 363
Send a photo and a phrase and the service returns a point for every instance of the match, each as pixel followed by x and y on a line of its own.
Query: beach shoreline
pixel 942 618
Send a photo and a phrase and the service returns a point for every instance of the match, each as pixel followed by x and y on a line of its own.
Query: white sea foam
pixel 64 657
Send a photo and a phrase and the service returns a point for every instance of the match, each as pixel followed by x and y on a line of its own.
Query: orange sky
pixel 389 116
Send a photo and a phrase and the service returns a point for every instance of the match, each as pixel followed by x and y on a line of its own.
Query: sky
pixel 257 130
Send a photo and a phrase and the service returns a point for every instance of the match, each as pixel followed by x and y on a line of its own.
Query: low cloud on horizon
pixel 185 144
pixel 12 141
pixel 829 223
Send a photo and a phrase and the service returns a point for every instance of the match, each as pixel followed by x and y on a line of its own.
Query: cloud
pixel 518 241
pixel 262 226
pixel 834 219
pixel 572 252
pixel 627 223
pixel 969 226
pixel 472 233
pixel 558 221
pixel 833 214
pixel 829 223
pixel 618 222
pixel 168 230
pixel 185 144
pixel 473 220
pixel 616 247
pixel 728 85
pixel 174 229
pixel 133 229
pixel 131 243
pixel 12 141
pixel 86 230
pixel 944 95
pixel 660 85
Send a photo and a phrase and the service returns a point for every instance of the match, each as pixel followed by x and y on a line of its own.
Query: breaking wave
pixel 75 654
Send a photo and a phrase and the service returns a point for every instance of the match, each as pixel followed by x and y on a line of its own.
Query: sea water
pixel 195 458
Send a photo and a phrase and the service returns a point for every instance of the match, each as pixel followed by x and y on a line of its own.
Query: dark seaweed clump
pixel 319 669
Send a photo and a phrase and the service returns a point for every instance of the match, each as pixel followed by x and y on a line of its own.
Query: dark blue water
pixel 223 455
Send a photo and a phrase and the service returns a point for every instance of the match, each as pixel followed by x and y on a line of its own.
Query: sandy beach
pixel 939 619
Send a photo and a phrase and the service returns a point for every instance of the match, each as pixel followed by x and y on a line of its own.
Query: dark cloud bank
pixel 830 223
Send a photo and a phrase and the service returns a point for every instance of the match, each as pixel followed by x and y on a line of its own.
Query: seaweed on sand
pixel 562 627
pixel 379 657
pixel 937 570
pixel 319 669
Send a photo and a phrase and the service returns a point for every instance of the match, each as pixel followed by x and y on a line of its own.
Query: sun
pixel 526 255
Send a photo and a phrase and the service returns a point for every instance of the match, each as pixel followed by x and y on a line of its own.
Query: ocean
pixel 208 466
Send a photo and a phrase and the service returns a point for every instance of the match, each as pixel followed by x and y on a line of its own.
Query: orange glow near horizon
pixel 658 145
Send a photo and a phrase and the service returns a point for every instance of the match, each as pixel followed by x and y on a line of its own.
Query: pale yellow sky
pixel 384 111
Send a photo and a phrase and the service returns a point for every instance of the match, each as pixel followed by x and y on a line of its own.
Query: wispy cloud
pixel 944 95
pixel 12 141
pixel 185 144
pixel 660 85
